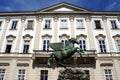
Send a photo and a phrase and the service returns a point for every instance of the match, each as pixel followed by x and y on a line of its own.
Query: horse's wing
pixel 56 46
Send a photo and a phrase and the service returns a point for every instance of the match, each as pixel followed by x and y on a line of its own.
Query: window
pixel 45 45
pixel 26 46
pixel 118 44
pixel 30 24
pixel 79 23
pixel 47 24
pixel 108 74
pixel 113 24
pixel 64 41
pixel 82 44
pixel 98 24
pixel 14 24
pixel 21 74
pixel 8 46
pixel 2 74
pixel 0 24
pixel 64 23
pixel 44 75
pixel 102 45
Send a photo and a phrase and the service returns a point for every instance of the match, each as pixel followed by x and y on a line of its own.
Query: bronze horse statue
pixel 63 52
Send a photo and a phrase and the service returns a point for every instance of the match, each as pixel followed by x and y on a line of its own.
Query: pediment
pixel 63 7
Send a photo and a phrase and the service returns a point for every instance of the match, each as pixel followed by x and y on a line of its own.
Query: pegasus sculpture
pixel 63 52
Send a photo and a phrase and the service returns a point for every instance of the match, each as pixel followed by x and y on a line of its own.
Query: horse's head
pixel 73 40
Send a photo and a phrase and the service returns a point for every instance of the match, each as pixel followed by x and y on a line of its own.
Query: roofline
pixel 40 12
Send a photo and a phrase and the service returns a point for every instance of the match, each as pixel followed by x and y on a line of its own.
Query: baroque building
pixel 24 39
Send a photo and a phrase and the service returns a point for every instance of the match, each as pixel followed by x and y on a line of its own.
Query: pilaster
pixel 72 26
pixel 23 18
pixel 4 32
pixel 107 33
pixel 90 33
pixel 55 28
pixel 37 34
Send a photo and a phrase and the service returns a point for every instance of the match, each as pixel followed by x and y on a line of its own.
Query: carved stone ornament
pixel 104 18
pixel 64 35
pixel 39 18
pixel 27 37
pixel 10 37
pixel 55 18
pixel 117 36
pixel 71 18
pixel 100 36
pixel 47 35
pixel 87 18
pixel 81 35
pixel 23 18
pixel 106 64
pixel 8 19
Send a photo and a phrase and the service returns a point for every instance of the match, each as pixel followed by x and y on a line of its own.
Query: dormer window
pixel 47 24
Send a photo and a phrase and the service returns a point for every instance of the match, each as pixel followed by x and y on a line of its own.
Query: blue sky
pixel 32 5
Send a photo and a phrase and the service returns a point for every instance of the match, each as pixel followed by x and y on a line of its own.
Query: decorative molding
pixel 87 18
pixel 27 37
pixel 39 18
pixel 117 35
pixel 106 64
pixel 71 18
pixel 47 35
pixel 56 18
pixel 8 18
pixel 4 64
pixel 64 35
pixel 23 64
pixel 81 35
pixel 10 37
pixel 100 35
pixel 23 18
pixel 104 18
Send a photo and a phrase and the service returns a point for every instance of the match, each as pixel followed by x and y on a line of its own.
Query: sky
pixel 33 5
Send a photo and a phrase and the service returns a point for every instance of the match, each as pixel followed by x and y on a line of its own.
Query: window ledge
pixel 47 28
pixel 29 29
pixel 63 28
pixel 115 29
pixel 98 28
pixel 80 28
pixel 12 29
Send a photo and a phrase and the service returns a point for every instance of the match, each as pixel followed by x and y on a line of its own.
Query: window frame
pixel 21 76
pixel 26 46
pixel 108 75
pixel 47 25
pixel 102 45
pixel 2 73
pixel 45 46
pixel 44 75
pixel 1 22
pixel 83 44
pixel 14 25
pixel 8 46
pixel 114 25
pixel 64 24
pixel 100 24
pixel 28 24
pixel 79 23
pixel 118 44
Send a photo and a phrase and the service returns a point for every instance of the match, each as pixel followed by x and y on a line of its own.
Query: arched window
pixel 117 41
pixel 64 38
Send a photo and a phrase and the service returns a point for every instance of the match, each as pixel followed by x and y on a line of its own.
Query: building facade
pixel 24 39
